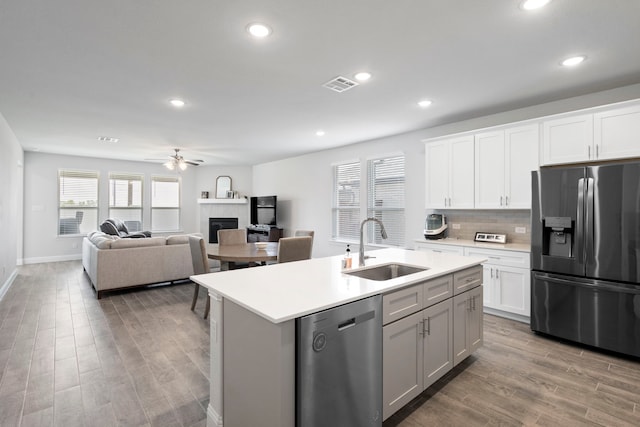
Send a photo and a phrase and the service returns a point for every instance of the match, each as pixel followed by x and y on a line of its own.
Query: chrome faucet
pixel 383 233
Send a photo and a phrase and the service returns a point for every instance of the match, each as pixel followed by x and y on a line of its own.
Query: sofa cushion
pixel 180 239
pixel 101 240
pixel 138 243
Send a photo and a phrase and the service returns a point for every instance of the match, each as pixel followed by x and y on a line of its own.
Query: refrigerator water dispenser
pixel 558 232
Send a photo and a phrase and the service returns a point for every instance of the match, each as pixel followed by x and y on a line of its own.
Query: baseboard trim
pixel 40 260
pixel 507 315
pixel 213 418
pixel 7 284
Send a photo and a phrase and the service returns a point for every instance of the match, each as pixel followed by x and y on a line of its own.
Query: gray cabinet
pixel 467 324
pixel 418 339
pixel 437 333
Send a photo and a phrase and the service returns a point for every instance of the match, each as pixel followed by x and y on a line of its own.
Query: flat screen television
pixel 264 210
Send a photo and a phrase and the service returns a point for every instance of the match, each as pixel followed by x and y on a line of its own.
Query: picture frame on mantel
pixel 223 187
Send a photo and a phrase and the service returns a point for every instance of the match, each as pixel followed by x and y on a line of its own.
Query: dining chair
pixel 294 248
pixel 200 266
pixel 300 233
pixel 233 236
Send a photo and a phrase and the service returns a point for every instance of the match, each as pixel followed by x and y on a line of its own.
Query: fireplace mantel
pixel 222 201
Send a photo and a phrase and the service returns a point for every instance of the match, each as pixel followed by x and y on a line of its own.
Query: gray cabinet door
pixel 402 355
pixel 438 341
pixel 475 319
pixel 460 330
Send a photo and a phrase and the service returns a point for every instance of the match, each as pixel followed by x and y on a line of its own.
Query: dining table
pixel 229 255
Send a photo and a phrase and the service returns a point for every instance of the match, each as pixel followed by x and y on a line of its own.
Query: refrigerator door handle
pixel 588 227
pixel 579 221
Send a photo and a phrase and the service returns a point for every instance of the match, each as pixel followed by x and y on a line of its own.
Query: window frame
pixel 131 177
pixel 336 208
pixel 76 173
pixel 166 178
pixel 393 228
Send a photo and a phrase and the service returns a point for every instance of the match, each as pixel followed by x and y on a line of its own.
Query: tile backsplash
pixel 498 221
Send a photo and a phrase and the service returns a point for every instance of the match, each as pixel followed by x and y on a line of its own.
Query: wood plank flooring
pixel 135 358
pixel 141 358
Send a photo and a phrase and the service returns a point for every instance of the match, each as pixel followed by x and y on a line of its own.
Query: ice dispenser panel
pixel 558 236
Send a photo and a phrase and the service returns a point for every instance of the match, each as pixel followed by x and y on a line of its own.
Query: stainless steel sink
pixel 386 271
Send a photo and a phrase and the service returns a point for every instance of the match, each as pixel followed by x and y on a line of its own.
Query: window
pixel 385 201
pixel 125 199
pixel 346 202
pixel 165 203
pixel 77 202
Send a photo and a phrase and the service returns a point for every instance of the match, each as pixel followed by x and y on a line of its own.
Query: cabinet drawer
pixel 501 257
pixel 437 290
pixel 467 279
pixel 398 304
pixel 440 248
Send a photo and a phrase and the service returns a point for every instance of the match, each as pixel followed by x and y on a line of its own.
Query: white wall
pixel 11 184
pixel 41 240
pixel 304 184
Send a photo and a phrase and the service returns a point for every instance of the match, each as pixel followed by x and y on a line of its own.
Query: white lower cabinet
pixel 507 282
pixel 419 348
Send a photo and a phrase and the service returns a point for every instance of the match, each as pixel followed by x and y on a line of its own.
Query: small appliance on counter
pixel 435 226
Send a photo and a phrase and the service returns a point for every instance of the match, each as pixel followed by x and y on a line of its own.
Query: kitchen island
pixel 253 314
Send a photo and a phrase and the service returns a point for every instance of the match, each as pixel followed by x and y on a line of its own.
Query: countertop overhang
pixel 281 292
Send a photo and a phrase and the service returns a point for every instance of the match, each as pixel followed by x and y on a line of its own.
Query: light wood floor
pixel 141 358
pixel 136 358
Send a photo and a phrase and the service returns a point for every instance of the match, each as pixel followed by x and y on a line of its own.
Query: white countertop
pixel 520 247
pixel 282 292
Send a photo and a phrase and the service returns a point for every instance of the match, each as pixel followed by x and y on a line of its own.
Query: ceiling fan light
pixel 170 165
pixel 182 164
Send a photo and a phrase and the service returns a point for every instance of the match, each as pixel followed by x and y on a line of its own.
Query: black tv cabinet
pixel 272 234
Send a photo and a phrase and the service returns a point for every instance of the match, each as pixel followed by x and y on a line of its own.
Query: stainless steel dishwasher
pixel 339 366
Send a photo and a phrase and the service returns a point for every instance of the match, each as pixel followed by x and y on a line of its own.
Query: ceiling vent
pixel 107 139
pixel 340 84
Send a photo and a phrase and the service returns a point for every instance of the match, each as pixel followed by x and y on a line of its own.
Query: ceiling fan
pixel 177 161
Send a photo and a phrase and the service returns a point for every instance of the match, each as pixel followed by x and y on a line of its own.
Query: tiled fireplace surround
pixel 226 210
pixel 500 222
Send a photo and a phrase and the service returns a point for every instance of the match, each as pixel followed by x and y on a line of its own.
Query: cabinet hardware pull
pixel 506 200
pixel 428 325
pixel 500 200
pixel 445 201
pixel 474 303
pixel 497 273
pixel 589 151
pixel 597 151
pixel 491 272
pixel 469 301
pixel 421 328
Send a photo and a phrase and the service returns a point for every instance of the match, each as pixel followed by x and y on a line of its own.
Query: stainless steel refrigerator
pixel 585 255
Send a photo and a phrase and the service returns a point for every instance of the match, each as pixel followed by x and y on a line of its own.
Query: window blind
pixel 386 199
pixel 165 203
pixel 77 201
pixel 346 202
pixel 125 199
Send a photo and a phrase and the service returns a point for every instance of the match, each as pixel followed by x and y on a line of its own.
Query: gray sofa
pixel 113 263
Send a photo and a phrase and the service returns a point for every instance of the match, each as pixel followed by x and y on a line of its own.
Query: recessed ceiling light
pixel 177 102
pixel 258 30
pixel 573 61
pixel 320 133
pixel 107 139
pixel 424 103
pixel 533 4
pixel 362 76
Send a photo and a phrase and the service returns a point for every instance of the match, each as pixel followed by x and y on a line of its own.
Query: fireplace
pixel 216 224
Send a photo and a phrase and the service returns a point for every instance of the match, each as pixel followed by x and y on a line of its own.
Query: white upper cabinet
pixel 449 173
pixel 504 160
pixel 617 133
pixel 606 135
pixel 567 140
